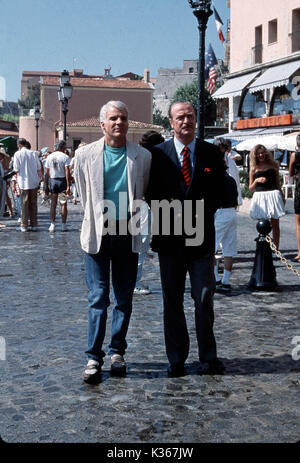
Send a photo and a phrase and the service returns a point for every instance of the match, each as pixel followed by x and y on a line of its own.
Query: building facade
pixel 169 79
pixel 89 94
pixel 262 86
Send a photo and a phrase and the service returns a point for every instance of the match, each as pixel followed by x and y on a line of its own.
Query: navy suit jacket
pixel 167 183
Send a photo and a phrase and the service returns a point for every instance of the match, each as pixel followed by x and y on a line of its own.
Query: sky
pixel 126 35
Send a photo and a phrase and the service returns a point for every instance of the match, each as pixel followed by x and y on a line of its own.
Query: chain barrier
pixel 283 259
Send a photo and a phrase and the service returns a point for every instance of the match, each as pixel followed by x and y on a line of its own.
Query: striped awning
pixel 235 86
pixel 276 76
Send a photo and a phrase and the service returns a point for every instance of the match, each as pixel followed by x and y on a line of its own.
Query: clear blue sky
pixel 128 35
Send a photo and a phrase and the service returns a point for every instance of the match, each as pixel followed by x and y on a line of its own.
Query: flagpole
pixel 202 11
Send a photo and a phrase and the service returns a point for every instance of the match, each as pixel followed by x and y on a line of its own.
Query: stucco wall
pixel 245 16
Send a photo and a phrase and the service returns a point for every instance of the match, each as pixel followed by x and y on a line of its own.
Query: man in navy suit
pixel 187 171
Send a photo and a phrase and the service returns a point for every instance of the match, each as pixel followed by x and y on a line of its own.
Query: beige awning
pixel 235 86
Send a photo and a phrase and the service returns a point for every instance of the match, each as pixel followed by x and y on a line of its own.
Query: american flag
pixel 210 71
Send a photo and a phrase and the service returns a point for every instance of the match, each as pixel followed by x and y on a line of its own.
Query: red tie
pixel 186 166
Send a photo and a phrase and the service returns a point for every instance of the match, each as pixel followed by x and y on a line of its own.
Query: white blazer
pixel 89 179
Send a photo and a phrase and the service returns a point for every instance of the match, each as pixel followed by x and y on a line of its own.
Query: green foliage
pixel 32 99
pixel 10 118
pixel 159 119
pixel 189 92
pixel 244 179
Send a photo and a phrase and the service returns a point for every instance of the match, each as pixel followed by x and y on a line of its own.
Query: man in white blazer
pixel 110 174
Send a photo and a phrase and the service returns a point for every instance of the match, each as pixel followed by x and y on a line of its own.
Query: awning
pixel 241 135
pixel 288 142
pixel 276 76
pixel 269 141
pixel 235 86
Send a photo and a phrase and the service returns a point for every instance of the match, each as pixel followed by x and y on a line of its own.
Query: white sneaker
pixel 51 229
pixel 142 290
pixel 64 227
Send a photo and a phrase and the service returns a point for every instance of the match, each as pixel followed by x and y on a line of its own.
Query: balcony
pixel 257 53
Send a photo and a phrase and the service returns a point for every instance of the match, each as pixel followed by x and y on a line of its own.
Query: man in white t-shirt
pixel 58 181
pixel 28 166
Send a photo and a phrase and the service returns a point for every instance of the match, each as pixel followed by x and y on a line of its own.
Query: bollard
pixel 263 274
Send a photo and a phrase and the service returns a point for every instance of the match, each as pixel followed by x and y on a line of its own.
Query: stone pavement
pixel 43 327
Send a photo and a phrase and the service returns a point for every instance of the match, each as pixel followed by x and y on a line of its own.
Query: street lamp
pixel 202 11
pixel 37 116
pixel 64 94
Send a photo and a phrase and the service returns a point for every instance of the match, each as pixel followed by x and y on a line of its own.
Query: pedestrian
pixel 2 186
pixel 5 161
pixel 58 182
pixel 267 201
pixel 17 195
pixel 232 169
pixel 294 171
pixel 187 171
pixel 28 167
pixel 226 231
pixel 110 171
pixel 148 140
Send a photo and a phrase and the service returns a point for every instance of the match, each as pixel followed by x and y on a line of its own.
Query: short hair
pixel 60 145
pixel 117 104
pixel 27 145
pixel 227 143
pixel 151 138
pixel 21 141
pixel 180 102
pixel 220 142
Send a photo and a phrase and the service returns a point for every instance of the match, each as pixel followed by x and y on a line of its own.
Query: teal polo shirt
pixel 115 179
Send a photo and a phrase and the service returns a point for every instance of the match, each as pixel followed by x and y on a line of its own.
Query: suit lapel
pixel 97 168
pixel 131 169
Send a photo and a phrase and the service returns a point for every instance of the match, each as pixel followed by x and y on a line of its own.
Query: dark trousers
pixel 173 270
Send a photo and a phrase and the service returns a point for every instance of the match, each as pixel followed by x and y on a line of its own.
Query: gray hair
pixel 117 104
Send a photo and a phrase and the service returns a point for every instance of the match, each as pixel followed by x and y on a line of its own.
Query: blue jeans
pixel 115 252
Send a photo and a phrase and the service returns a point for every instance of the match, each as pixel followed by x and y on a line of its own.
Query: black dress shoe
pixel 213 367
pixel 176 370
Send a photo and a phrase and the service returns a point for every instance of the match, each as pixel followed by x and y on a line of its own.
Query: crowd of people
pixel 182 168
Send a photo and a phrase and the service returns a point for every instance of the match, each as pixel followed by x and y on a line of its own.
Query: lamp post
pixel 37 116
pixel 64 94
pixel 202 11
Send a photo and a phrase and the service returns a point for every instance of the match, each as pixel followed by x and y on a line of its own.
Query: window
pixel 191 70
pixel 257 49
pixel 283 101
pixel 273 26
pixel 295 35
pixel 253 105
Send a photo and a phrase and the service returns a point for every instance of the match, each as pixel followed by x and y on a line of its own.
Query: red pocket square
pixel 207 169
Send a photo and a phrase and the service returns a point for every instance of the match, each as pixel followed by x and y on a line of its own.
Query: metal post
pixel 37 134
pixel 202 11
pixel 65 110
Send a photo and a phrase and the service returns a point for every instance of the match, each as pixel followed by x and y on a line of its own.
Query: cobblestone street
pixel 43 322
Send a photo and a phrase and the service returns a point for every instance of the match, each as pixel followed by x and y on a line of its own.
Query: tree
pixel 189 92
pixel 32 99
pixel 159 119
